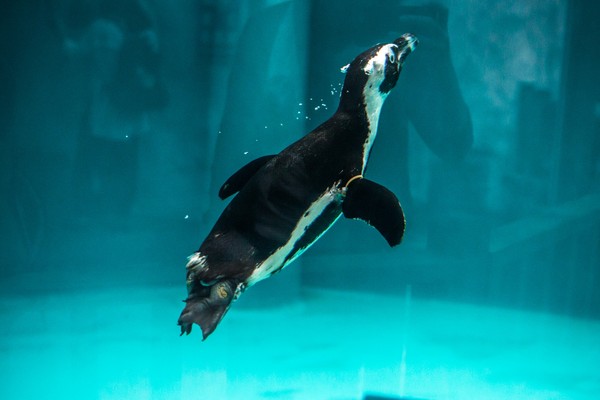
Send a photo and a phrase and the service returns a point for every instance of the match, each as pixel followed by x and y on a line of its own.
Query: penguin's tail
pixel 208 311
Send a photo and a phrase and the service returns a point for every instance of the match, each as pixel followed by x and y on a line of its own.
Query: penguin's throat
pixel 373 101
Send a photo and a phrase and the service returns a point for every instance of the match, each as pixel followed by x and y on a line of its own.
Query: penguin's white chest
pixel 373 102
pixel 281 257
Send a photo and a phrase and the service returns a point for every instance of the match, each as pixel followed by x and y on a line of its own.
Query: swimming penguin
pixel 285 202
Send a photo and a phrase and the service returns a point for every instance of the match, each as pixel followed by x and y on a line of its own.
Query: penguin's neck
pixel 373 103
pixel 365 109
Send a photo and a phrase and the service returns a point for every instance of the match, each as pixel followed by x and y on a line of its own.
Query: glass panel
pixel 123 123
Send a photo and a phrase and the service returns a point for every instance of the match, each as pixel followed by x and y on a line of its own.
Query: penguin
pixel 283 203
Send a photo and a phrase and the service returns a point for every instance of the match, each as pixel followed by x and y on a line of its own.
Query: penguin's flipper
pixel 208 311
pixel 376 205
pixel 238 180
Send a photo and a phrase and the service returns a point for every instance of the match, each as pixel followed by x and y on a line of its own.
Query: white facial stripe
pixel 377 63
pixel 277 260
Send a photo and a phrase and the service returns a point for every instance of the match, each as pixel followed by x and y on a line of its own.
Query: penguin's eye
pixel 392 57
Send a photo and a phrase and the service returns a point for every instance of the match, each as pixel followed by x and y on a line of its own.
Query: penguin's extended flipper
pixel 376 205
pixel 238 180
pixel 208 311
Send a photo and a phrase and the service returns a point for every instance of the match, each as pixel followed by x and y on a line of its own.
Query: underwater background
pixel 120 119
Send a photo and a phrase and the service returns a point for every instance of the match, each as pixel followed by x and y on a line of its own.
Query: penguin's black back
pixel 262 216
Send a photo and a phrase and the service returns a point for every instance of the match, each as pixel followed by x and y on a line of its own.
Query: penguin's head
pixel 374 72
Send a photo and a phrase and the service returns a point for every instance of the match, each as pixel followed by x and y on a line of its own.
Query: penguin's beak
pixel 406 44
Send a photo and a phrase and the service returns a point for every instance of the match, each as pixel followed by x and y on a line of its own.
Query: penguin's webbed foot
pixel 207 312
pixel 186 328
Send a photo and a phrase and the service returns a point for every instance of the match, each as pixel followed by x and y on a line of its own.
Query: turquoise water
pixel 120 120
pixel 116 344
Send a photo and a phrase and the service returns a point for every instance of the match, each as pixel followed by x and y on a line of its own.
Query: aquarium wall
pixel 503 194
pixel 120 121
